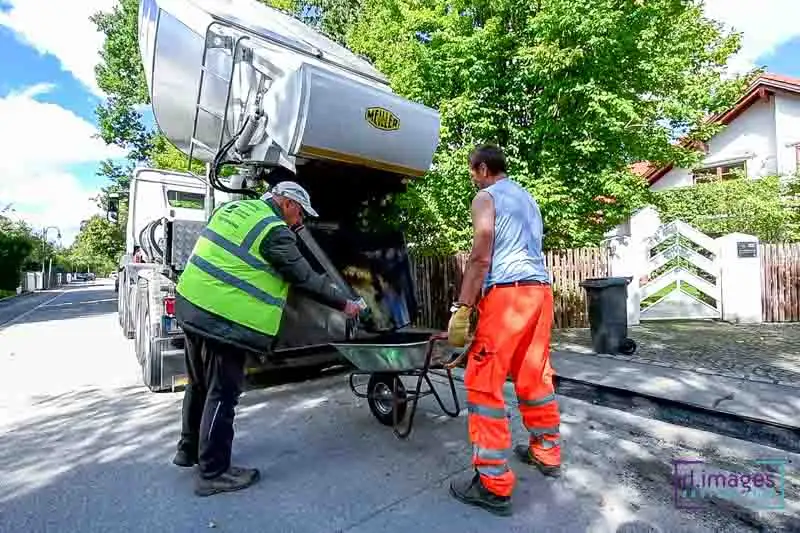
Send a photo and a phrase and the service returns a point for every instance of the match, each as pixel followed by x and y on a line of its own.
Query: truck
pixel 255 96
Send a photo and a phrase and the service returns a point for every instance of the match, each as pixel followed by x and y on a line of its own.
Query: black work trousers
pixel 216 375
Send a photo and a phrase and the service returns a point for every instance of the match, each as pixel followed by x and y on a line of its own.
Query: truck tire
pixel 120 305
pixel 124 306
pixel 148 350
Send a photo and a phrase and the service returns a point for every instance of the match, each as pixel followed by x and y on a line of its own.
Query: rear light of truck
pixel 169 306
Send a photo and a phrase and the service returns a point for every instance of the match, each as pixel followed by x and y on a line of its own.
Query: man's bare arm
pixel 480 258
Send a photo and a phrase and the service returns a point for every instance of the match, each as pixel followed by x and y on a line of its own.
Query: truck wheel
pixel 126 318
pixel 380 389
pixel 151 367
pixel 120 305
pixel 138 315
pixel 148 351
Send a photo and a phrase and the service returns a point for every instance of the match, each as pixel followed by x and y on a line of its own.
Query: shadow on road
pixel 100 461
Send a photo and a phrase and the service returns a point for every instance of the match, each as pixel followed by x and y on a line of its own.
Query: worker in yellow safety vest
pixel 230 301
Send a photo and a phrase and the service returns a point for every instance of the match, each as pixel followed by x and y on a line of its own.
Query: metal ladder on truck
pixel 219 42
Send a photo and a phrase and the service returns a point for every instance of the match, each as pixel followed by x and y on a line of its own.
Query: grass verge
pixel 5 294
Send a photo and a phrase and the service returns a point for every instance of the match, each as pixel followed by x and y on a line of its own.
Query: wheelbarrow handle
pixel 455 362
pixel 442 336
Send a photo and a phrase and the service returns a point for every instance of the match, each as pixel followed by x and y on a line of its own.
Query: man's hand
pixel 352 309
pixel 458 327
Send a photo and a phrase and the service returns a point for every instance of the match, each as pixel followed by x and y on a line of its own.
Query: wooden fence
pixel 438 280
pixel 780 282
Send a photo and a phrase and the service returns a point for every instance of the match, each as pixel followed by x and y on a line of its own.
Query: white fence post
pixel 628 250
pixel 624 263
pixel 740 273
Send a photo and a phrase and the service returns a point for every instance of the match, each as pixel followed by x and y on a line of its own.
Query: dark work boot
pixel 472 491
pixel 234 479
pixel 523 451
pixel 184 459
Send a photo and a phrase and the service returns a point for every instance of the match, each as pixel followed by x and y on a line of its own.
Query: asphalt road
pixel 85 447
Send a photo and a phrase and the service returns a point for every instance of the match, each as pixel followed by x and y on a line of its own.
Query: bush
pixel 14 250
pixel 762 207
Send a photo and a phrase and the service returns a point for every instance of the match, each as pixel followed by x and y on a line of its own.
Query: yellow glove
pixel 458 327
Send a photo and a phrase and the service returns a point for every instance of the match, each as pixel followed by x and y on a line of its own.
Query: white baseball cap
pixel 294 191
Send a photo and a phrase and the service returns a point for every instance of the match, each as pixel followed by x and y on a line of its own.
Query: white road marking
pixel 29 311
pixel 81 303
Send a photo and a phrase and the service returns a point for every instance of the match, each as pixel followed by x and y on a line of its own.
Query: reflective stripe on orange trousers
pixel 512 337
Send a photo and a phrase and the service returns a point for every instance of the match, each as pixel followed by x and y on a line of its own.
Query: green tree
pixel 98 245
pixel 334 18
pixel 17 244
pixel 121 75
pixel 574 91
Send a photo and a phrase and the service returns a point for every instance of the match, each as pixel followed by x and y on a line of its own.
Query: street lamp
pixel 44 252
pixel 112 210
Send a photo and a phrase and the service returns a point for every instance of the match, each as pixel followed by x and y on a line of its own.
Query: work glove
pixel 352 309
pixel 458 327
pixel 356 308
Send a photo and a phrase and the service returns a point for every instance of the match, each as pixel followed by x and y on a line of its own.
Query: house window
pixel 720 173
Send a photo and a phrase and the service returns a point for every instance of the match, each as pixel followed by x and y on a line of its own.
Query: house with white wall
pixel 761 138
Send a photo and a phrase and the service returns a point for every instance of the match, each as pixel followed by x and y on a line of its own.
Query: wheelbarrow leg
pixel 403 434
pixel 456 403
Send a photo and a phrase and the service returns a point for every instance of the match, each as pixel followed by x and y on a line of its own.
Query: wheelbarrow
pixel 386 359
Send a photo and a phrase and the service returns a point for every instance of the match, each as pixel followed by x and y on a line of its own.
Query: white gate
pixel 681 278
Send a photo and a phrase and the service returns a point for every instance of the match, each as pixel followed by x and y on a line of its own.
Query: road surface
pixel 85 447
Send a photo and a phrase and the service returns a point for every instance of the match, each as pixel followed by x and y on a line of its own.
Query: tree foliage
pixel 16 245
pixel 22 249
pixel 98 245
pixel 121 75
pixel 573 90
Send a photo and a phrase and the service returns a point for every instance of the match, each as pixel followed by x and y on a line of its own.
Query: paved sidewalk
pixel 767 353
pixel 765 402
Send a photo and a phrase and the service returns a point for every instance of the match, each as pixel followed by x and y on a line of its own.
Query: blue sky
pixel 48 97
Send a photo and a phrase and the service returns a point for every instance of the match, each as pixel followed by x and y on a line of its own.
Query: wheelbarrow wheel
pixel 380 389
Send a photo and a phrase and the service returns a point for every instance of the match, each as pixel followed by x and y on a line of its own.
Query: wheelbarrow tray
pixel 398 351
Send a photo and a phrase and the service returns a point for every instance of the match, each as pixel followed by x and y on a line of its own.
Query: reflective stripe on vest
pixel 226 274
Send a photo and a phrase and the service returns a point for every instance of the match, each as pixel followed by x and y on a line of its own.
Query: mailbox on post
pixel 747 249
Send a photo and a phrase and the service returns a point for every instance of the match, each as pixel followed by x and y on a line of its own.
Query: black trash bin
pixel 607 304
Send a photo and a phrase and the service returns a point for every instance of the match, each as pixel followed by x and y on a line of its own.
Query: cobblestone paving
pixel 768 353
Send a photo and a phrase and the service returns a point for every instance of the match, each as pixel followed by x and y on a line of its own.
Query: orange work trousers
pixel 512 337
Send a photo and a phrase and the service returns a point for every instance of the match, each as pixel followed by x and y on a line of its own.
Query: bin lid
pixel 602 283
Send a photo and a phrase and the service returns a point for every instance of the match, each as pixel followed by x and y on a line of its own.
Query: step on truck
pixel 256 95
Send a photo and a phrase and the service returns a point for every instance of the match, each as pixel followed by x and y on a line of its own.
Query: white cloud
pixel 44 140
pixel 60 29
pixel 72 38
pixel 764 25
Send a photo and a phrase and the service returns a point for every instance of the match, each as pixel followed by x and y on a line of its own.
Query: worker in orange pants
pixel 507 282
